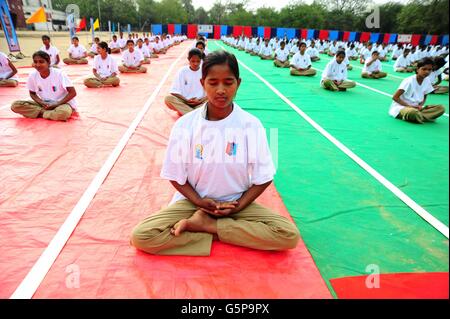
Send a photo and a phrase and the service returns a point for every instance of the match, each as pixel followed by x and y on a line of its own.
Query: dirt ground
pixel 30 41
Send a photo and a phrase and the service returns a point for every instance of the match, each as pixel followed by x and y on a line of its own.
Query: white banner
pixel 404 38
pixel 205 28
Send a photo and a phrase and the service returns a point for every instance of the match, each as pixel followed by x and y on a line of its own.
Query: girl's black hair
pixel 340 52
pixel 130 41
pixel 45 37
pixel 301 43
pixel 105 46
pixel 201 43
pixel 96 38
pixel 218 58
pixel 423 62
pixel 43 55
pixel 439 62
pixel 75 38
pixel 195 52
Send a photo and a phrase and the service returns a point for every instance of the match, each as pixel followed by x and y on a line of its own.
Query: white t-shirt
pixel 114 45
pixel 105 67
pixel 132 58
pixel 93 48
pixel 402 62
pixel 413 95
pixel 220 159
pixel 159 46
pixel 335 71
pixel 187 83
pixel 312 52
pixel 282 55
pixel 266 51
pixel 366 53
pixel 144 50
pixel 301 61
pixel 5 70
pixel 51 89
pixel 434 75
pixel 77 52
pixel 350 53
pixel 122 42
pixel 52 52
pixel 375 66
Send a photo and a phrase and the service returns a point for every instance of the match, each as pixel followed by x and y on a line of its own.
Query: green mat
pixel 347 219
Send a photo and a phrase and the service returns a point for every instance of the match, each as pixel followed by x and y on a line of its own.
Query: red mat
pixel 54 169
pixel 394 286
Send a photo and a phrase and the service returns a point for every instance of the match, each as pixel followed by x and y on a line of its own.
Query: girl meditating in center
pixel 219 162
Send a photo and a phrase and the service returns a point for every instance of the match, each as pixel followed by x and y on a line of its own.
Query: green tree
pixel 201 16
pixel 267 16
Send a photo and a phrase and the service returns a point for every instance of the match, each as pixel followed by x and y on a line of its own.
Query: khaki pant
pixel 266 57
pixel 9 83
pixel 309 72
pixel 32 110
pixel 178 105
pixel 280 64
pixel 116 50
pixel 315 59
pixel 330 85
pixel 378 75
pixel 125 69
pixel 96 83
pixel 254 227
pixel 404 70
pixel 427 114
pixel 440 89
pixel 154 56
pixel 349 67
pixel 92 54
pixel 146 61
pixel 74 61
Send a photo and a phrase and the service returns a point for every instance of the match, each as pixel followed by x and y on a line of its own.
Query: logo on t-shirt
pixel 199 151
pixel 231 149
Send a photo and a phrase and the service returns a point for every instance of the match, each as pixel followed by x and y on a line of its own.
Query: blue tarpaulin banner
pixel 333 35
pixel 8 27
pixel 157 28
pixel 178 29
pixel 223 30
pixel 374 37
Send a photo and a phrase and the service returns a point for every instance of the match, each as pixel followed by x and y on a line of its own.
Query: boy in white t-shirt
pixel 151 48
pixel 281 58
pixel 301 62
pixel 187 93
pixel 77 53
pixel 51 91
pixel 403 63
pixel 7 72
pixel 219 161
pixel 93 50
pixel 410 98
pixel 105 69
pixel 132 60
pixel 266 52
pixel 373 68
pixel 114 45
pixel 144 50
pixel 313 52
pixel 52 51
pixel 334 77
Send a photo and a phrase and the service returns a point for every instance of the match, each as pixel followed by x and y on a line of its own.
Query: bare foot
pixel 199 222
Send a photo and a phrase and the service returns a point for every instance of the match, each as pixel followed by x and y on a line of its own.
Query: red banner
pixel 192 31
pixel 217 32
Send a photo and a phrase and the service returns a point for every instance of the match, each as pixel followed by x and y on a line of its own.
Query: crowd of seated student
pixel 51 91
pixel 430 63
